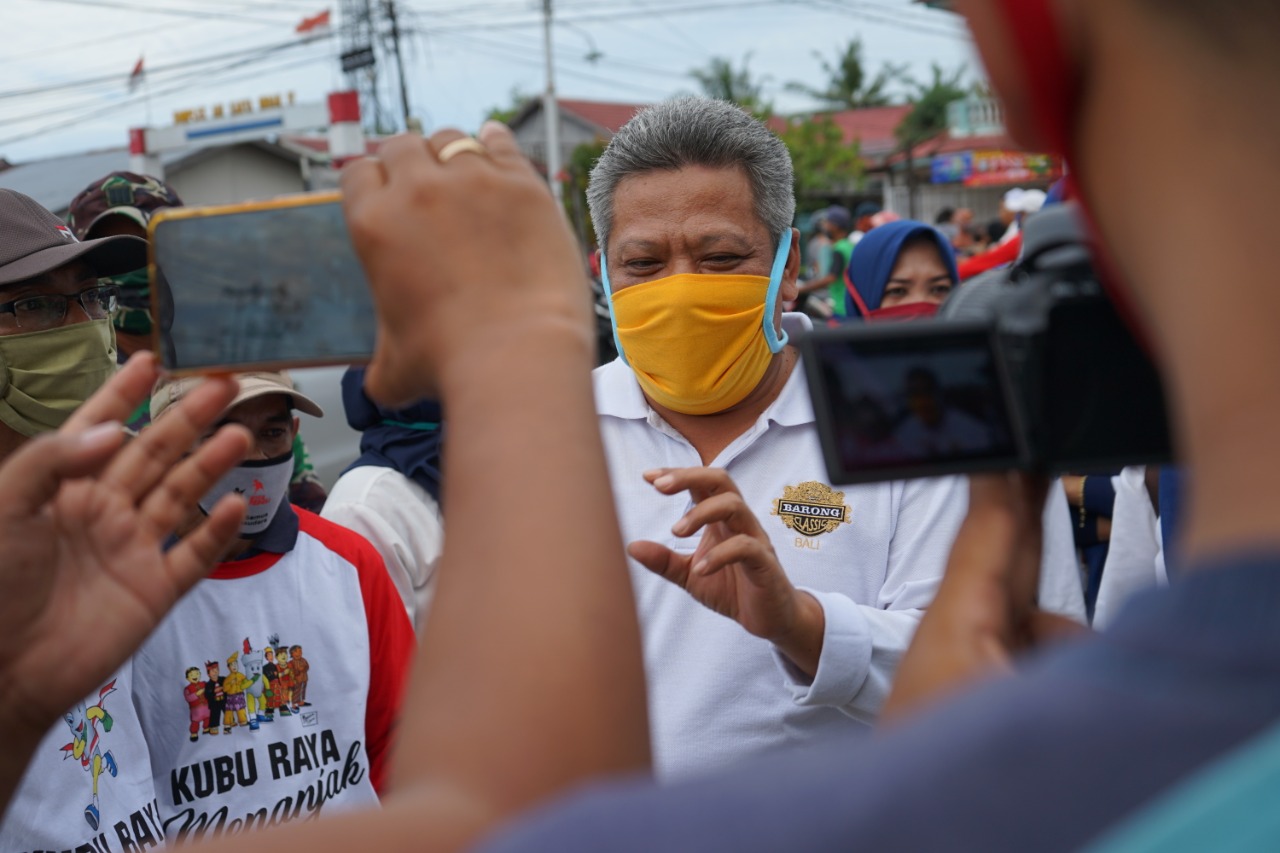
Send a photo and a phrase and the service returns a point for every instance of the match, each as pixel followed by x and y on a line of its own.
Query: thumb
pixel 30 478
pixel 660 560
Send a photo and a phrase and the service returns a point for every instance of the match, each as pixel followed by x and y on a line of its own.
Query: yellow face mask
pixel 699 344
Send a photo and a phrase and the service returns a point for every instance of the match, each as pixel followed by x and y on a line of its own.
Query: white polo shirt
pixel 871 554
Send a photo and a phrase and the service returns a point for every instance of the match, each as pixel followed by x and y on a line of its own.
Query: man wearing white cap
pixel 206 690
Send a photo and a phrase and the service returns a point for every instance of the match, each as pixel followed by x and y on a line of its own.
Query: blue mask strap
pixel 771 300
pixel 417 426
pixel 608 292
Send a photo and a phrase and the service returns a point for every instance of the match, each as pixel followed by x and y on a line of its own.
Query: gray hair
pixel 692 131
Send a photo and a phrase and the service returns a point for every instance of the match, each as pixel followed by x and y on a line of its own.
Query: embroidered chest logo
pixel 811 509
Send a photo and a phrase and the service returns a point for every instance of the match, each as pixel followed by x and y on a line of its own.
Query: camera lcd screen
pixel 911 400
pixel 267 287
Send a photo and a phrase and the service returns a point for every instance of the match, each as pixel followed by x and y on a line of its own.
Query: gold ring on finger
pixel 458 146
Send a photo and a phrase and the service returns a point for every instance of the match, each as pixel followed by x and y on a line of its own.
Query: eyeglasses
pixel 37 313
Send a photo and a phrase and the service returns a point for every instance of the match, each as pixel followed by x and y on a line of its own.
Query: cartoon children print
pixel 256 690
pixel 299 667
pixel 84 747
pixel 234 686
pixel 197 702
pixel 214 695
pixel 258 683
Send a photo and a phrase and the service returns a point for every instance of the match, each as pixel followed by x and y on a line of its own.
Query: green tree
pixel 928 117
pixel 719 79
pixel 848 86
pixel 578 169
pixel 824 163
pixel 507 113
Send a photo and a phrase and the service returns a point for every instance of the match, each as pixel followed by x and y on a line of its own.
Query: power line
pixel 159 10
pixel 134 100
pixel 122 77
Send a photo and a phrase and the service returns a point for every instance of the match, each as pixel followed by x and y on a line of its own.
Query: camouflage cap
pixel 123 194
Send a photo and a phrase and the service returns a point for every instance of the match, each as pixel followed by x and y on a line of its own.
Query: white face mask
pixel 263 483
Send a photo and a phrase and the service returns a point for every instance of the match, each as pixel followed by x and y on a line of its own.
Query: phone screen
pixel 910 400
pixel 271 287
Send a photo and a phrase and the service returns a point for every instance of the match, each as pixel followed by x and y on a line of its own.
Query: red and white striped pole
pixel 346 136
pixel 140 160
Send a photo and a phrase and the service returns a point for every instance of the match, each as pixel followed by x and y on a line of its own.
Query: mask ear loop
pixel 771 299
pixel 613 319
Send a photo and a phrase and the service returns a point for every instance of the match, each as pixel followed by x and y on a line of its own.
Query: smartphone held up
pixel 258 286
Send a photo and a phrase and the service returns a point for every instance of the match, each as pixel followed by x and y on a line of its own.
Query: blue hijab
pixel 407 440
pixel 877 253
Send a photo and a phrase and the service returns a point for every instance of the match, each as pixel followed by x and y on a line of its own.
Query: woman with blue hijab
pixel 900 270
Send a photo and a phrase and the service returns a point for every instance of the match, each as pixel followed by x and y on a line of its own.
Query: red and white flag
pixel 313 25
pixel 135 76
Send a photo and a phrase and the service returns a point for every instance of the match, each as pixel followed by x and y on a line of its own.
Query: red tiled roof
pixel 872 128
pixel 604 114
pixel 946 144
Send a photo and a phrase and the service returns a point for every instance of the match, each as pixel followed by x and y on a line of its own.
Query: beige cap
pixel 252 385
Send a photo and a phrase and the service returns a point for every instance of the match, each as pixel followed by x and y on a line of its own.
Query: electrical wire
pixel 161 10
pixel 120 77
pixel 134 100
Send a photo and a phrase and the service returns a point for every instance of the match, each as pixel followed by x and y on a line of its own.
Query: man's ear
pixel 296 424
pixel 791 272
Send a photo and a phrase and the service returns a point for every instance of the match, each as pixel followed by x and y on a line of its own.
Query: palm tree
pixel 928 117
pixel 720 80
pixel 847 85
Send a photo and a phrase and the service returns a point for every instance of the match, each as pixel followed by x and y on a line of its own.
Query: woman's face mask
pixel 697 343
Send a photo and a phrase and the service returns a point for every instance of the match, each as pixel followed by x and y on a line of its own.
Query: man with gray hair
pixel 693 205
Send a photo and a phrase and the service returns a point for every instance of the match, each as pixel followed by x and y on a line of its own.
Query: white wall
pixel 235 174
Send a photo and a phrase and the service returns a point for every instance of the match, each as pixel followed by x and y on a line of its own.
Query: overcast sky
pixel 462 58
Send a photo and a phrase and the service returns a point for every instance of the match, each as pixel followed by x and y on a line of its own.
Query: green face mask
pixel 45 376
pixel 133 311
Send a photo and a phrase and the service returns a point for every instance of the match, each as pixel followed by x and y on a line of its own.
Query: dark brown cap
pixel 33 241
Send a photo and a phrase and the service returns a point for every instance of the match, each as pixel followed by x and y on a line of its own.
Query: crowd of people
pixel 653 623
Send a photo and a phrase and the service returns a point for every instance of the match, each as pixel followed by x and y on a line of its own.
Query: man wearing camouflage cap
pixel 123 203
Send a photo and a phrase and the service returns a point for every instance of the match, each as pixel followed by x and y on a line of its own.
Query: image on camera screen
pixel 261 287
pixel 911 408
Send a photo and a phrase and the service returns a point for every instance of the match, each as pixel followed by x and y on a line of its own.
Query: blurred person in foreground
pixel 391 494
pixel 123 203
pixel 718 475
pixel 1185 685
pixel 57 347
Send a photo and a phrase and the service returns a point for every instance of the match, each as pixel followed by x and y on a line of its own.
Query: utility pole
pixel 551 109
pixel 359 61
pixel 409 123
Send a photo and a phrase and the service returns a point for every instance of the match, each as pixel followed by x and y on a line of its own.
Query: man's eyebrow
pixel 282 417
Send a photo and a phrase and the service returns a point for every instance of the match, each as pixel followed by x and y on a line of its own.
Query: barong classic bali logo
pixel 811 508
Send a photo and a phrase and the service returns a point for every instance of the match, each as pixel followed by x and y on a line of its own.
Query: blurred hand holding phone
pixel 258 286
